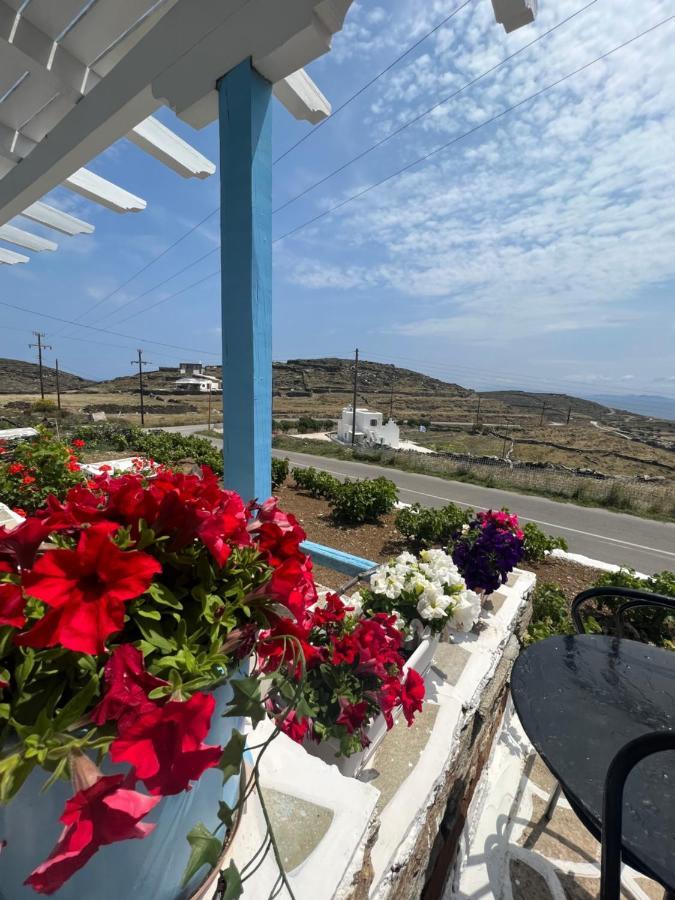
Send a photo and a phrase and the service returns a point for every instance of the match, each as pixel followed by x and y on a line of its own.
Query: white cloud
pixel 552 219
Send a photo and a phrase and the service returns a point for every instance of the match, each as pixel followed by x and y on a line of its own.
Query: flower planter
pixel 351 766
pixel 149 868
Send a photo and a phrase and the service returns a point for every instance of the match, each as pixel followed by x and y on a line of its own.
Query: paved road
pixel 646 545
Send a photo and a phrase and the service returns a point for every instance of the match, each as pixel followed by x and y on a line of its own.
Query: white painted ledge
pixel 591 563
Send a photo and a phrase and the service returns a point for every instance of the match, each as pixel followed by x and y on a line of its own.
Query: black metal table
pixel 580 699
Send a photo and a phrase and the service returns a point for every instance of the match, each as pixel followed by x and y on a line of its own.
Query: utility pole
pixel 58 388
pixel 140 362
pixel 356 386
pixel 40 347
pixel 477 412
pixel 391 399
pixel 569 414
pixel 543 413
pixel 209 428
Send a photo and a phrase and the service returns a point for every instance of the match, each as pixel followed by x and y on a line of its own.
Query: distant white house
pixel 198 384
pixel 370 428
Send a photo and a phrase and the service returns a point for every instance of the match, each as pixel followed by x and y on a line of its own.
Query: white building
pixel 198 384
pixel 370 428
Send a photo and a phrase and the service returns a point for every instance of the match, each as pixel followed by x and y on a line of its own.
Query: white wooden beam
pixel 167 147
pixel 177 62
pixel 56 219
pixel 21 238
pixel 98 189
pixel 302 98
pixel 10 258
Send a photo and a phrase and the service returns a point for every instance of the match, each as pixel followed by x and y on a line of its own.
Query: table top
pixel 580 699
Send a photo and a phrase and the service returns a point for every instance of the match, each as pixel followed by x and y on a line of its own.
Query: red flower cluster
pixel 354 671
pixel 163 741
pixel 502 521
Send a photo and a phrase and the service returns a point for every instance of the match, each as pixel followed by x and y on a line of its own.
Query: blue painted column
pixel 246 279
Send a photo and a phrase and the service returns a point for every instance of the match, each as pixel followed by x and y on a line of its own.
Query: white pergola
pixel 77 75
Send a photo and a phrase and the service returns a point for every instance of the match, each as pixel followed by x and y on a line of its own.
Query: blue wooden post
pixel 246 279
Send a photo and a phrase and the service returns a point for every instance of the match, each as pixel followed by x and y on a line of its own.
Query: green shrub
pixel 33 470
pixel 44 406
pixel 280 469
pixel 316 483
pixel 538 544
pixel 355 502
pixel 164 447
pixel 550 613
pixel 431 527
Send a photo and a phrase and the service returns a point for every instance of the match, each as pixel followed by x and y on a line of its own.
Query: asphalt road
pixel 644 544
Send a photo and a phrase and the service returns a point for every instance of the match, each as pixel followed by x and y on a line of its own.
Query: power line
pixel 372 81
pixel 455 140
pixel 427 112
pixel 147 265
pixel 170 297
pixel 35 312
pixel 114 312
pixel 278 159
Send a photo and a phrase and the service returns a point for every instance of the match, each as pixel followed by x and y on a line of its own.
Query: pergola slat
pixel 21 238
pixel 57 219
pixel 102 191
pixel 10 258
pixel 167 147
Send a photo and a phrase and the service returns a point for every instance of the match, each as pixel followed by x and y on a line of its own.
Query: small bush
pixel 317 484
pixel 35 469
pixel 164 447
pixel 550 614
pixel 538 544
pixel 431 527
pixel 44 406
pixel 355 502
pixel 280 468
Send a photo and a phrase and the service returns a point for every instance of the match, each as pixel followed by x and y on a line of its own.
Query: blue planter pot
pixel 148 869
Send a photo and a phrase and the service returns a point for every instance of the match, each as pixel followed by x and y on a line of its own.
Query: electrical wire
pixel 213 212
pixel 372 81
pixel 131 337
pixel 509 109
pixel 431 109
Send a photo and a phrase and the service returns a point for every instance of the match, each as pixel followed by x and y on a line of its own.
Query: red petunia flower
pixel 295 728
pixel 107 812
pixel 73 466
pixel 352 715
pixel 412 695
pixel 127 687
pixel 20 545
pixel 15 468
pixel 78 442
pixel 20 512
pixel 28 479
pixel 166 745
pixel 293 585
pixel 11 600
pixel 86 589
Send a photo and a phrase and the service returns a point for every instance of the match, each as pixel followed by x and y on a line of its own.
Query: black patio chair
pixel 630 754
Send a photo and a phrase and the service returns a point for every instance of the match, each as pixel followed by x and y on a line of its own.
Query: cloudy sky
pixel 533 247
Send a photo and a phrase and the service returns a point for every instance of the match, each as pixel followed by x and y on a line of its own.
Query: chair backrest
pixel 632 599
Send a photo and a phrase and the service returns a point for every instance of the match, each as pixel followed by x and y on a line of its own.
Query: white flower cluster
pixel 434 582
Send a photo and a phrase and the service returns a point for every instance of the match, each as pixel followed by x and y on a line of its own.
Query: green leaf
pixel 163 596
pixel 155 638
pixel 206 850
pixel 225 814
pixel 76 706
pixel 233 888
pixel 246 700
pixel 230 761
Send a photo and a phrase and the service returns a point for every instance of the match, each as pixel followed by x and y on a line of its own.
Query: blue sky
pixel 537 253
